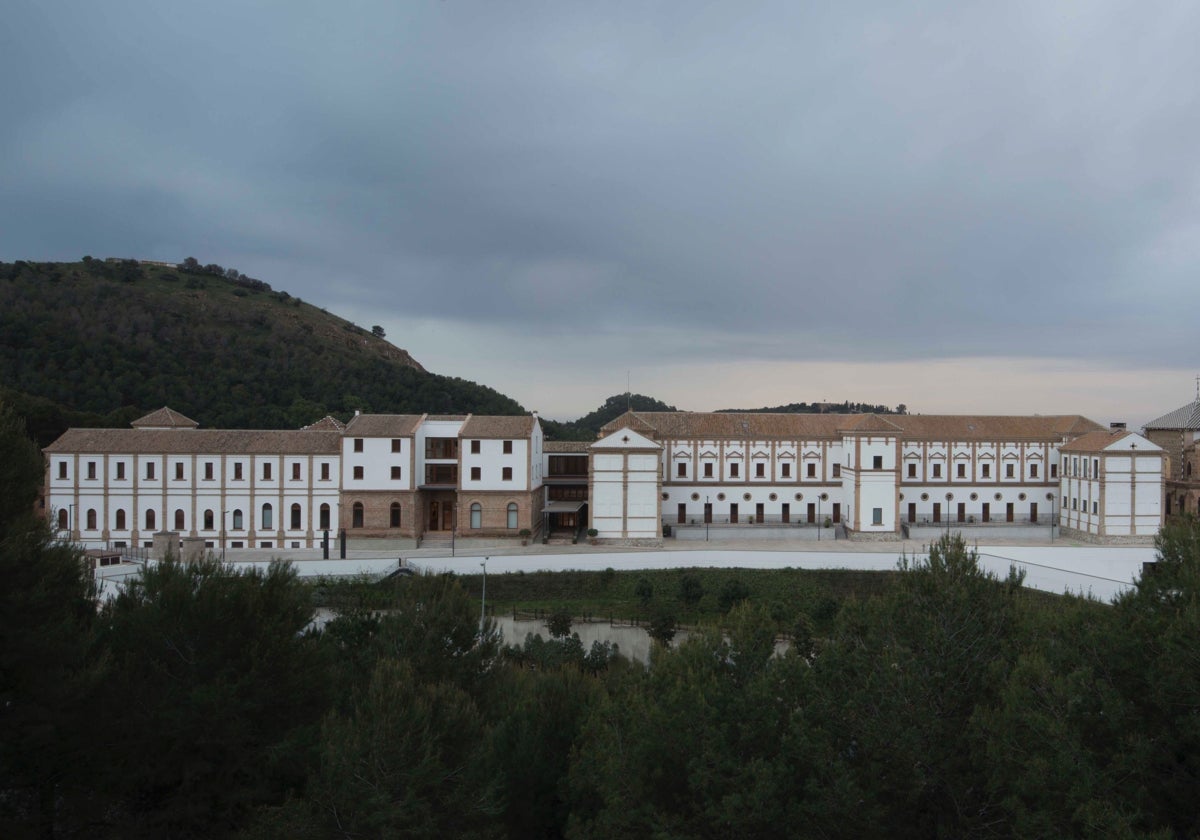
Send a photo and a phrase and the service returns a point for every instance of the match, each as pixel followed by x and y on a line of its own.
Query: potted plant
pixel 592 534
pixel 828 522
pixel 525 534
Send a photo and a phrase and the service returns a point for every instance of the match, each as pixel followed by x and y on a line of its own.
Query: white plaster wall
pixel 491 461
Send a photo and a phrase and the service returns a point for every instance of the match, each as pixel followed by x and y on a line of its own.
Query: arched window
pixel 357 520
pixel 237 520
pixel 179 526
pixel 295 517
pixel 324 517
pixel 476 515
pixel 208 520
pixel 150 522
pixel 512 515
pixel 267 518
pixel 91 519
pixel 120 520
pixel 63 522
pixel 395 517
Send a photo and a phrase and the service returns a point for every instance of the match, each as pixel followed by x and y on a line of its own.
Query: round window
pixel 799 497
pixel 720 497
pixel 1021 496
pixel 924 497
pixel 824 497
pixel 773 497
pixel 999 496
pixel 974 496
pixel 746 496
pixel 666 496
pixel 695 497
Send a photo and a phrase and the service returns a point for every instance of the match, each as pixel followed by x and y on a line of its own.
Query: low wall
pixel 980 533
pixel 741 533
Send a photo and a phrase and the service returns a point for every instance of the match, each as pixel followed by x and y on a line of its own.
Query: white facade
pixel 1112 485
pixel 623 487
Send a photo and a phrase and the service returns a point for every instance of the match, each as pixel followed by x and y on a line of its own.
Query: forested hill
pixel 101 342
pixel 845 407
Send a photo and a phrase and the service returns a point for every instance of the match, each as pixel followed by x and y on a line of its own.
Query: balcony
pixel 441 449
pixel 441 475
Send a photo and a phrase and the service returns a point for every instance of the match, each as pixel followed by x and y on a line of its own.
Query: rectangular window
pixel 358 473
pixel 62 469
pixel 395 444
pixel 358 446
pixel 208 471
pixel 295 471
pixel 733 470
pixel 785 470
pixel 837 470
pixel 266 472
pixel 681 469
pixel 1054 470
pixel 811 470
pixel 1095 468
pixel 508 447
pixel 1009 470
pixel 476 473
pixel 120 470
pixel 876 516
pixel 877 462
pixel 395 473
pixel 506 473
pixel 962 470
pixel 474 447
pixel 987 470
pixel 912 470
pixel 1033 470
pixel 91 470
pixel 760 470
pixel 324 472
pixel 937 470
pixel 1095 508
pixel 178 471
pixel 708 469
pixel 150 470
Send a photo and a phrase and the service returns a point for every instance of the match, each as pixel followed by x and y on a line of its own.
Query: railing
pixel 745 519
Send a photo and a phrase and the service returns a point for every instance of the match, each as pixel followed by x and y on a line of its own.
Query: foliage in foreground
pixel 951 704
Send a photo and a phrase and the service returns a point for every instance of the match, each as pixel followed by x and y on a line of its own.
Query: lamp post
pixel 1053 513
pixel 707 516
pixel 483 598
pixel 949 498
pixel 70 521
pixel 223 513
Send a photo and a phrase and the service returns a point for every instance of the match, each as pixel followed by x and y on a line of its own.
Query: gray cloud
pixel 775 181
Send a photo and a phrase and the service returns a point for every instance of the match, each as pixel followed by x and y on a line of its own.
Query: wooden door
pixel 1033 511
pixel 733 514
pixel 962 511
pixel 786 514
pixel 681 517
pixel 1008 512
pixel 987 512
pixel 937 511
pixel 837 511
pixel 812 512
pixel 912 511
pixel 758 512
pixel 707 512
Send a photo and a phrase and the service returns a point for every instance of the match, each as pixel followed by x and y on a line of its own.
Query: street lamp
pixel 223 513
pixel 949 498
pixel 820 522
pixel 483 598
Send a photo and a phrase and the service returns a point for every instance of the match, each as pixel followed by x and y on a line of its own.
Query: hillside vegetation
pixel 100 342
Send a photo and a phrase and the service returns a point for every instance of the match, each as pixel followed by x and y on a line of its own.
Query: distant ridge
pixel 101 342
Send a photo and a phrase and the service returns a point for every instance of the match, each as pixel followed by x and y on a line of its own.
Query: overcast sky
pixel 964 207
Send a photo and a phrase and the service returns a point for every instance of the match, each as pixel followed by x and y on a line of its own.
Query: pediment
pixel 625 438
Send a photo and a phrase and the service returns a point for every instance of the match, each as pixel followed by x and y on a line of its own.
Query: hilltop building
pixel 424 477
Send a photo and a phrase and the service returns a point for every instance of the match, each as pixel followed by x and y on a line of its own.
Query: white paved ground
pixel 1101 571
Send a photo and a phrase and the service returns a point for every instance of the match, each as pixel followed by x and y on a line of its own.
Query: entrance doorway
pixel 441 515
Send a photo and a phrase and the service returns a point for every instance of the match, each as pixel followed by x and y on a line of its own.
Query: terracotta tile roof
pixel 1095 441
pixel 164 418
pixel 683 424
pixel 328 423
pixel 498 427
pixel 383 425
pixel 1185 417
pixel 1052 427
pixel 198 441
pixel 579 447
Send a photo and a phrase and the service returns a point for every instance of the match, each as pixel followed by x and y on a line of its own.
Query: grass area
pixel 787 593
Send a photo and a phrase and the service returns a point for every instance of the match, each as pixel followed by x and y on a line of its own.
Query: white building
pixel 1112 485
